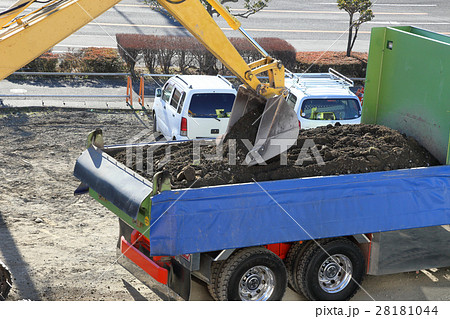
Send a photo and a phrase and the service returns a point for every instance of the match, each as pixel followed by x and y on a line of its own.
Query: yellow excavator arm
pixel 24 38
pixel 193 16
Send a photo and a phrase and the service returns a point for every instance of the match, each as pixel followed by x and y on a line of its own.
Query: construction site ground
pixel 62 247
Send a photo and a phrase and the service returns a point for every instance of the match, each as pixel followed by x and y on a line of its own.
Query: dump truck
pixel 321 235
pixel 247 241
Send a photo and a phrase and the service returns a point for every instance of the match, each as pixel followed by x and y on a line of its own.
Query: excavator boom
pixel 24 39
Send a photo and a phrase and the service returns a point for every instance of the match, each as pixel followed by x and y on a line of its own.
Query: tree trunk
pixel 350 33
pixel 354 39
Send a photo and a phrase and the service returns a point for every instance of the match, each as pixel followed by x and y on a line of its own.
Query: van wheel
pixel 333 271
pixel 252 274
pixel 155 125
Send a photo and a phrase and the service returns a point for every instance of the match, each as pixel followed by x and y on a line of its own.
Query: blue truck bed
pixel 232 216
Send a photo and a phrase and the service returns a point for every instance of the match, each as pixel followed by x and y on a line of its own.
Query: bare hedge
pixel 187 55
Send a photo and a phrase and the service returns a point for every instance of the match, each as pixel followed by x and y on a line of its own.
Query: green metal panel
pixel 141 224
pixel 408 86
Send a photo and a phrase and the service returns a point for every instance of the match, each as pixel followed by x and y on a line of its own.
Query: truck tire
pixel 333 271
pixel 212 286
pixel 252 274
pixel 5 281
pixel 291 261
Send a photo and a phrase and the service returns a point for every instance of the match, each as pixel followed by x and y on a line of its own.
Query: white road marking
pixel 391 4
pixel 274 10
pixel 225 29
pixel 84 46
pixel 132 5
pixel 333 12
pixel 18 91
pixel 430 275
pixel 446 227
pixel 407 23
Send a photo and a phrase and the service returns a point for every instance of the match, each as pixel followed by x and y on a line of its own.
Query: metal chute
pixel 278 125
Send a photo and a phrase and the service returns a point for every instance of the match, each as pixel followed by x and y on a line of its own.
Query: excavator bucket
pixel 278 125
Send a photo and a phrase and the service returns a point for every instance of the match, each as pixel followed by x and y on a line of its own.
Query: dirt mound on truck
pixel 328 150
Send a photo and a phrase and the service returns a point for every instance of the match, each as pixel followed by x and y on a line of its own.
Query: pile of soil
pixel 343 149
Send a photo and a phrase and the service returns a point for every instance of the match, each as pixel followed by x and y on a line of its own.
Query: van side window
pixel 175 98
pixel 167 91
pixel 291 100
pixel 180 106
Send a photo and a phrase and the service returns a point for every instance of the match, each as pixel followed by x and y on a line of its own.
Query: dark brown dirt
pixel 347 149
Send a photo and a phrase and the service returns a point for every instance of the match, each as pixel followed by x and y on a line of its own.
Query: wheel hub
pixel 257 283
pixel 331 270
pixel 253 282
pixel 335 273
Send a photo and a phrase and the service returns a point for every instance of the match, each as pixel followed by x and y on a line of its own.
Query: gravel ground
pixel 58 246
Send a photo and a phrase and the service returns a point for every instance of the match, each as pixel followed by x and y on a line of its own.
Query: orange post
pixel 141 92
pixel 129 91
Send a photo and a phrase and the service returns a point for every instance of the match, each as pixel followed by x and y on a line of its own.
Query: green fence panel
pixel 408 85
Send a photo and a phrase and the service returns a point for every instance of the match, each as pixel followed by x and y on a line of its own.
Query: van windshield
pixel 330 109
pixel 212 105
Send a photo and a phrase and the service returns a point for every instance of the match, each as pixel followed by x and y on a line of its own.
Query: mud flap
pixel 178 286
pixel 180 279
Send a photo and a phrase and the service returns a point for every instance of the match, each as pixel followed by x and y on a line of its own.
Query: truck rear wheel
pixel 252 274
pixel 212 286
pixel 333 271
pixel 294 254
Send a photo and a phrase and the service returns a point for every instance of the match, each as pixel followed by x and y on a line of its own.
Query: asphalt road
pixel 307 25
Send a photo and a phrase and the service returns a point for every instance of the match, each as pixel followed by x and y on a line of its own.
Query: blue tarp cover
pixel 242 215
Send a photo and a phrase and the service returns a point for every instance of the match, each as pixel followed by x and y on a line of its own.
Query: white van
pixel 193 107
pixel 320 99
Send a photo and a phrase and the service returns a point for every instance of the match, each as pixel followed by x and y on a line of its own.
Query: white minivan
pixel 193 107
pixel 320 99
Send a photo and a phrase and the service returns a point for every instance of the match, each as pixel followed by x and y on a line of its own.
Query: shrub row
pixel 101 60
pixel 186 55
pixel 319 61
pixel 189 56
